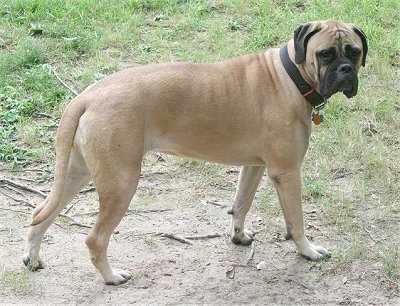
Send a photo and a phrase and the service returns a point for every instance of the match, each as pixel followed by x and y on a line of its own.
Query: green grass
pixel 392 261
pixel 84 40
pixel 19 281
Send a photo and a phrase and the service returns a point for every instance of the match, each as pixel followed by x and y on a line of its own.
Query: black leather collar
pixel 313 97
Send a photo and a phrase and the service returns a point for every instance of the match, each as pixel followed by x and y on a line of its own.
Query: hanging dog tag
pixel 317 118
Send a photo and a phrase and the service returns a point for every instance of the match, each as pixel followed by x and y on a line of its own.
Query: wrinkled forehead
pixel 332 35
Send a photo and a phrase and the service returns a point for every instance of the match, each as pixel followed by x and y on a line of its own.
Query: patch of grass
pixel 26 54
pixel 18 281
pixel 391 258
pixel 17 109
pixel 313 188
pixel 148 240
pixel 355 250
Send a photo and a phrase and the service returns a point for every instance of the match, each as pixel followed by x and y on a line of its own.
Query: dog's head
pixel 331 54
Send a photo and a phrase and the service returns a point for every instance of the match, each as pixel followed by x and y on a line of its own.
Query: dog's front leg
pixel 249 178
pixel 288 186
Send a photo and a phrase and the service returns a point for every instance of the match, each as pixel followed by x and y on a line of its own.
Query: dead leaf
pixel 261 265
pixel 231 272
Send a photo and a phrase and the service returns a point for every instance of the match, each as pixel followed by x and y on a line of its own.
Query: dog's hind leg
pixel 249 178
pixel 116 181
pixel 77 177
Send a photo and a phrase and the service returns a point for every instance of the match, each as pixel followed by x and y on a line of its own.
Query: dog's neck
pixel 307 91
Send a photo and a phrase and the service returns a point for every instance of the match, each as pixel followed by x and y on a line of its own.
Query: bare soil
pixel 185 199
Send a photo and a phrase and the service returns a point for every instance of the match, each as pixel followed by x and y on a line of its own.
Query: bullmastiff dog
pixel 252 111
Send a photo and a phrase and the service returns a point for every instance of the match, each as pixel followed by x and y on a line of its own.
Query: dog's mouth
pixel 339 78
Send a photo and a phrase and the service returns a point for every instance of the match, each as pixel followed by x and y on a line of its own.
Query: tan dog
pixel 245 111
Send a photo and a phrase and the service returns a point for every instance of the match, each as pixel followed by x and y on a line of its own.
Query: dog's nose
pixel 345 69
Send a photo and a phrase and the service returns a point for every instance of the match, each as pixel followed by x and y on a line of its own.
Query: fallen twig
pixel 26 179
pixel 23 187
pixel 46 116
pixel 213 202
pixel 80 225
pixel 18 200
pixel 16 210
pixel 251 255
pixel 27 170
pixel 310 225
pixel 216 235
pixel 138 211
pixel 69 208
pixel 67 217
pixel 63 83
pixel 30 206
pixel 90 213
pixel 182 239
pixel 176 237
pixel 89 189
pixel 13 189
pixel 132 233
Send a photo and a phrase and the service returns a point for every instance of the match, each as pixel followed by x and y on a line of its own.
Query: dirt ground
pixel 178 198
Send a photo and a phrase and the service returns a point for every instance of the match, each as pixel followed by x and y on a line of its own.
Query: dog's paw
pixel 32 265
pixel 119 277
pixel 242 237
pixel 315 253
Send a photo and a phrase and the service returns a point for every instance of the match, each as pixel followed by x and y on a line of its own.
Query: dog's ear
pixel 301 37
pixel 363 38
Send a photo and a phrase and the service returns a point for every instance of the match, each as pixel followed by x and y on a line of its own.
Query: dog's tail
pixel 64 141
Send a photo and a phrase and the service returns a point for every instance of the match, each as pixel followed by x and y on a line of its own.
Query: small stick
pixel 176 237
pixel 16 191
pixel 63 83
pixel 139 234
pixel 251 255
pixel 46 116
pixel 69 208
pixel 90 213
pixel 66 216
pixel 23 187
pixel 216 235
pixel 26 179
pixel 89 189
pixel 27 170
pixel 18 200
pixel 185 239
pixel 137 211
pixel 215 203
pixel 33 206
pixel 16 210
pixel 80 225
pixel 317 228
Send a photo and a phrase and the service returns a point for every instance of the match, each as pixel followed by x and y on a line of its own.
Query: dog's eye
pixel 353 53
pixel 327 55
